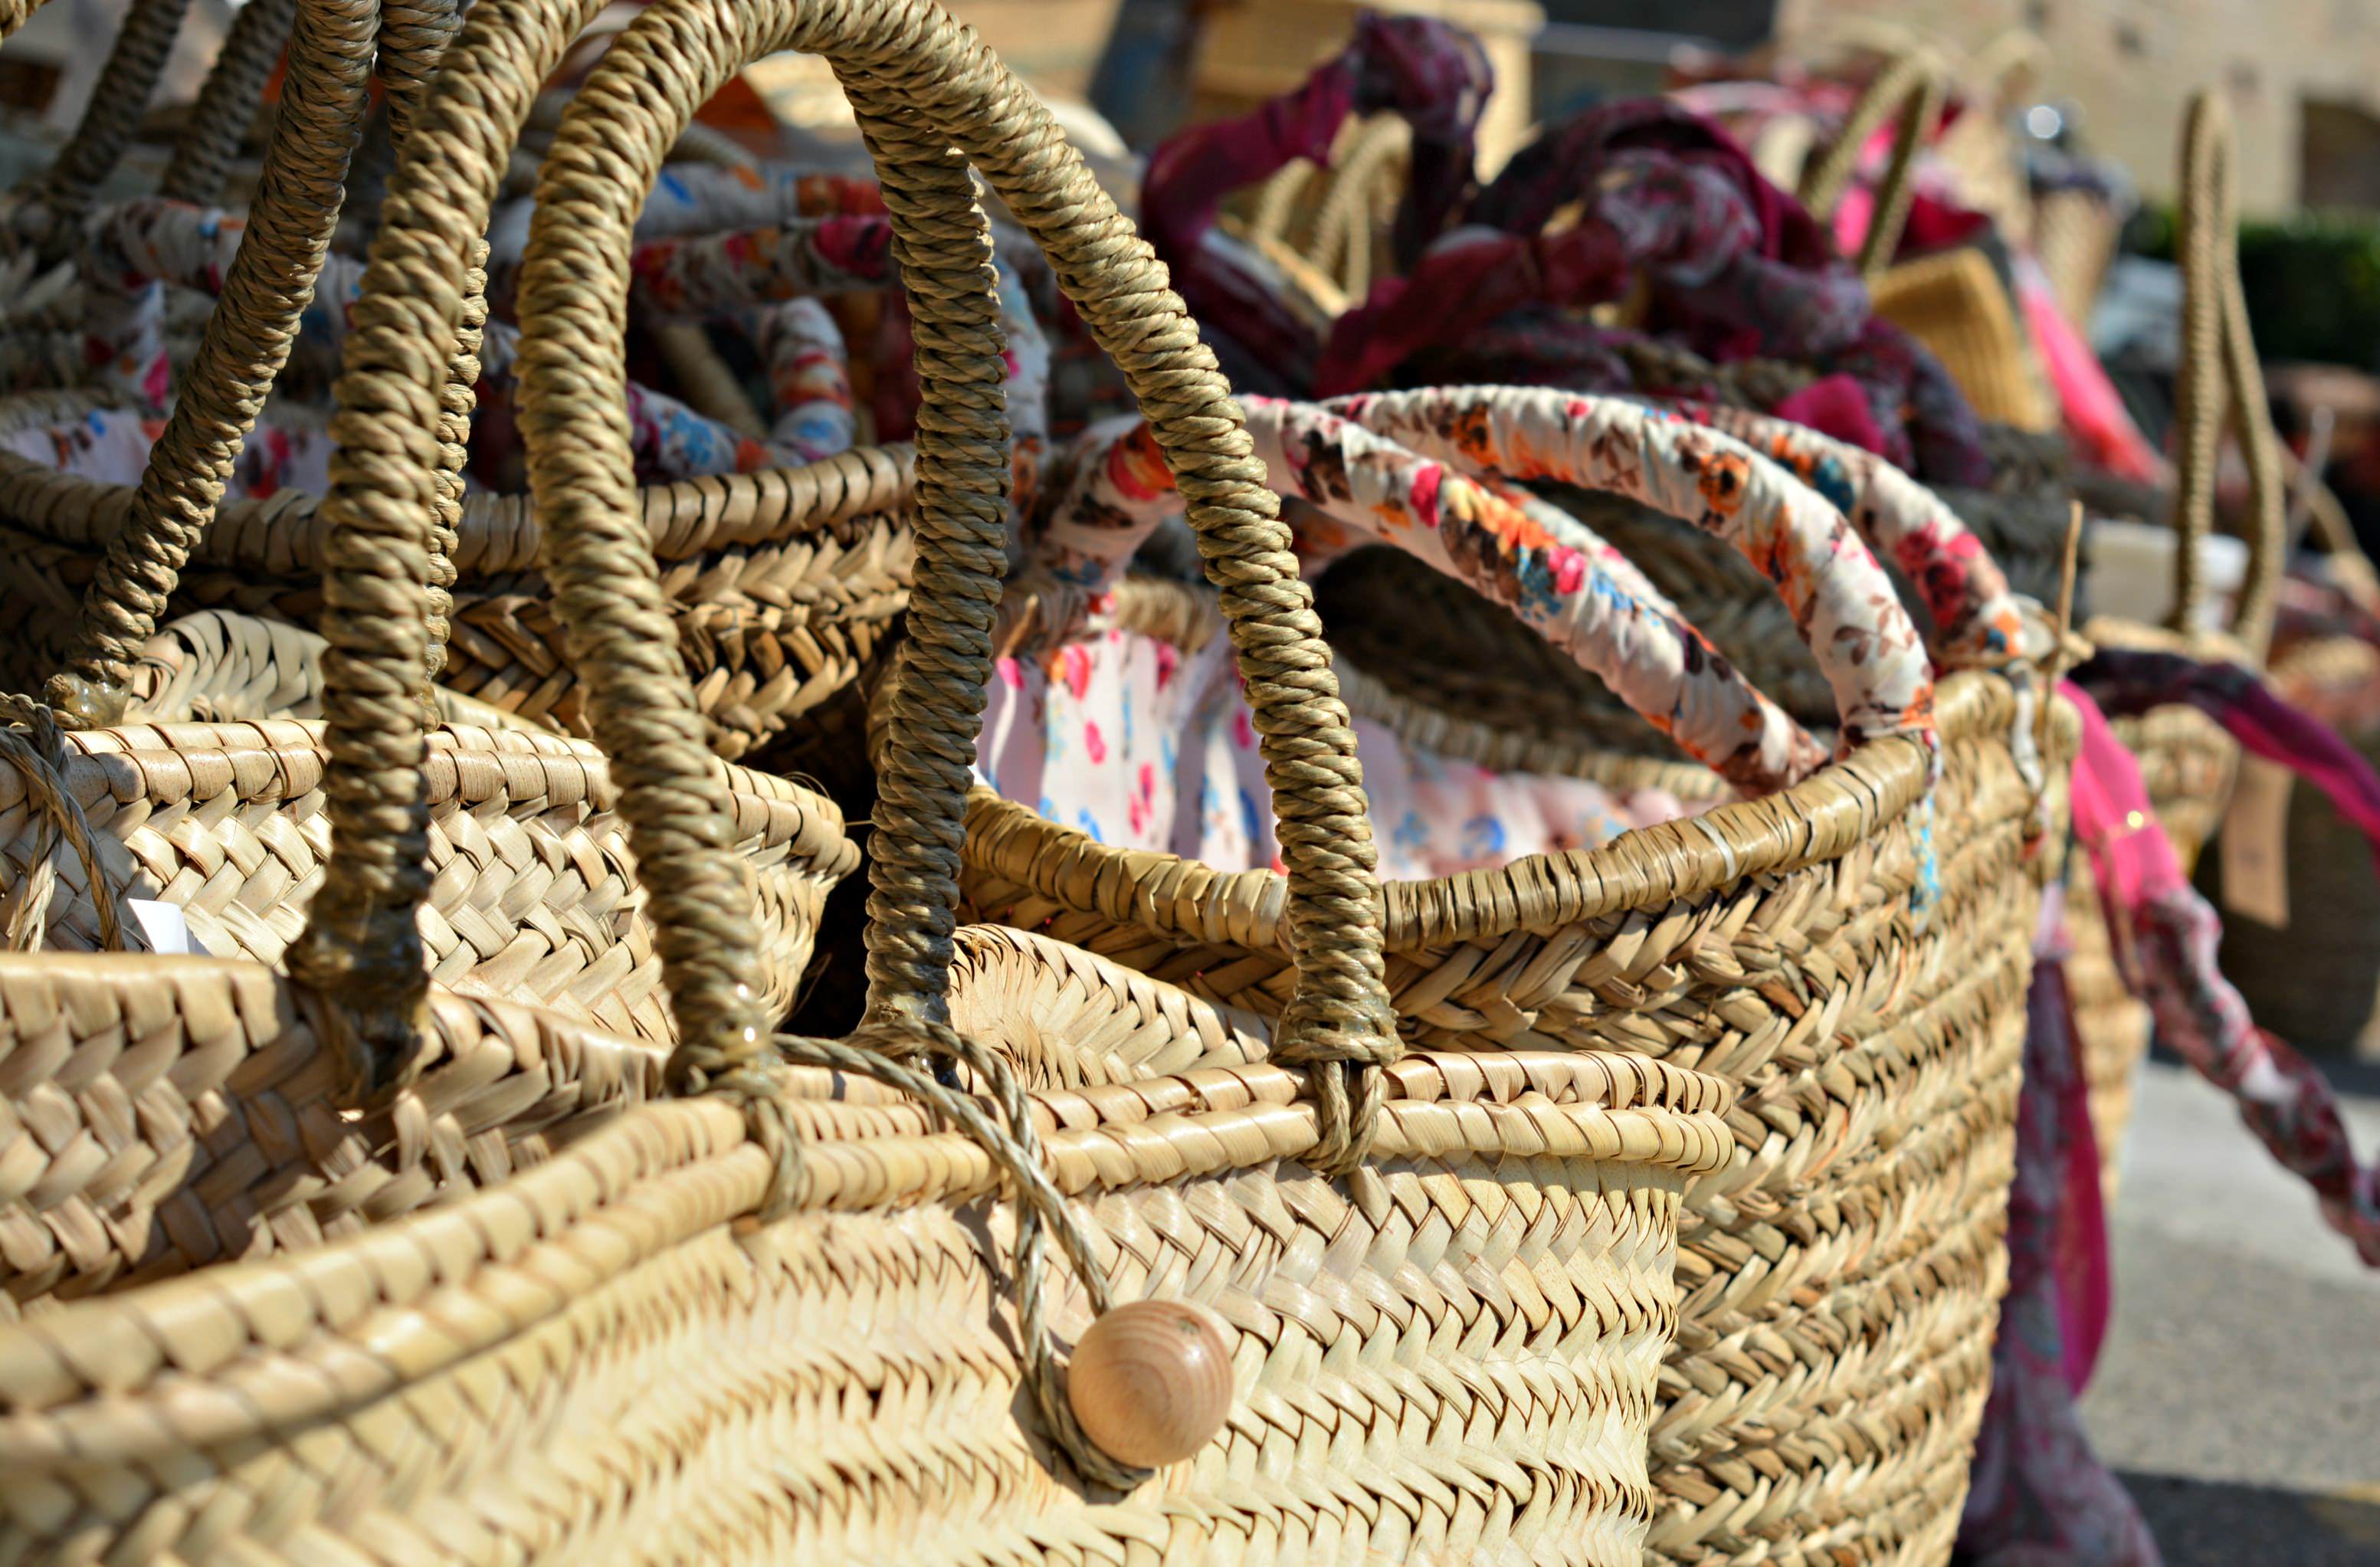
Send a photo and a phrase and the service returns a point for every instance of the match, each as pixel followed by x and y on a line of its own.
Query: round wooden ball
pixel 1151 1381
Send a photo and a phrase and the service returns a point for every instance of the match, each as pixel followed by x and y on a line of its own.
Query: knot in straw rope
pixel 877 1050
pixel 36 748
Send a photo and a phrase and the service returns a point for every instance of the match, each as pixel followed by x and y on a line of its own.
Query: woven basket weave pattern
pixel 1494 1290
pixel 1841 1280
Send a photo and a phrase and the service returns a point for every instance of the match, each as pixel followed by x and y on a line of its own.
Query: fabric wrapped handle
pixel 1841 601
pixel 1978 621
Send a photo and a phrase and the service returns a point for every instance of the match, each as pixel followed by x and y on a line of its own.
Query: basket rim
pixel 1840 806
pixel 255 1348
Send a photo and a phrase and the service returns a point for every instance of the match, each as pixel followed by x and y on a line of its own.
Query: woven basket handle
pixel 896 58
pixel 1843 602
pixel 2218 357
pixel 62 192
pixel 246 340
pixel 1914 85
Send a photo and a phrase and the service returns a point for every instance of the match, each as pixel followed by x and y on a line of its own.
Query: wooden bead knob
pixel 1151 1381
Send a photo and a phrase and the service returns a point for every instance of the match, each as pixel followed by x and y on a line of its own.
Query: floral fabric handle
pixel 1841 601
pixel 1978 621
pixel 1547 568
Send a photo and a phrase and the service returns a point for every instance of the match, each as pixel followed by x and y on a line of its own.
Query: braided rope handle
pixel 361 948
pixel 246 340
pixel 1978 620
pixel 219 121
pixel 56 199
pixel 1914 86
pixel 2218 362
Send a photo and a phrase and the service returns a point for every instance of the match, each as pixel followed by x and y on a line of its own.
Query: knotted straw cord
pixel 1921 107
pixel 1341 244
pixel 413 35
pixel 40 756
pixel 877 1052
pixel 15 14
pixel 1275 202
pixel 2218 362
pixel 219 121
pixel 246 340
pixel 64 192
pixel 457 402
pixel 599 562
pixel 909 56
pixel 380 498
pixel 943 247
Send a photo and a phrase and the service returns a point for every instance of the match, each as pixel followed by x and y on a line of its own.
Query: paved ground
pixel 2239 1393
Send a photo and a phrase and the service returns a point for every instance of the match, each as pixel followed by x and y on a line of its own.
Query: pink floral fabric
pixel 1552 571
pixel 705 274
pixel 809 380
pixel 112 445
pixel 1127 739
pixel 2169 961
pixel 1977 619
pixel 1841 600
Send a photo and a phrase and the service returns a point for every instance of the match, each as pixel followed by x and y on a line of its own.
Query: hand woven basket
pixel 2187 759
pixel 788 584
pixel 765 1323
pixel 1842 1278
pixel 535 896
pixel 2315 981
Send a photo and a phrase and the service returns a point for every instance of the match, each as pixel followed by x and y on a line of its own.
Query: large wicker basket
pixel 2315 980
pixel 1841 1280
pixel 765 1324
pixel 2187 759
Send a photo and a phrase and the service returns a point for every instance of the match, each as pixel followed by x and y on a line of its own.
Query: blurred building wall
pixel 2130 64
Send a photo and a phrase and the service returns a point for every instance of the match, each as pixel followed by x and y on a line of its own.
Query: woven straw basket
pixel 2187 760
pixel 534 896
pixel 788 583
pixel 1841 1278
pixel 2315 981
pixel 764 1323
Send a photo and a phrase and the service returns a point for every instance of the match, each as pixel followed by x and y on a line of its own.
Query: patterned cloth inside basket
pixel 110 446
pixel 1144 746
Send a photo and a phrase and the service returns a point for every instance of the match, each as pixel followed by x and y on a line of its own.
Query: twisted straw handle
pixel 63 191
pixel 1914 85
pixel 227 100
pixel 918 84
pixel 361 948
pixel 2218 357
pixel 246 341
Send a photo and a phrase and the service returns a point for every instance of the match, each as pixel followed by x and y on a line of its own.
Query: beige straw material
pixel 617 1270
pixel 246 340
pixel 219 122
pixel 58 196
pixel 2188 762
pixel 596 1358
pixel 786 584
pixel 535 895
pixel 1954 304
pixel 1841 1281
